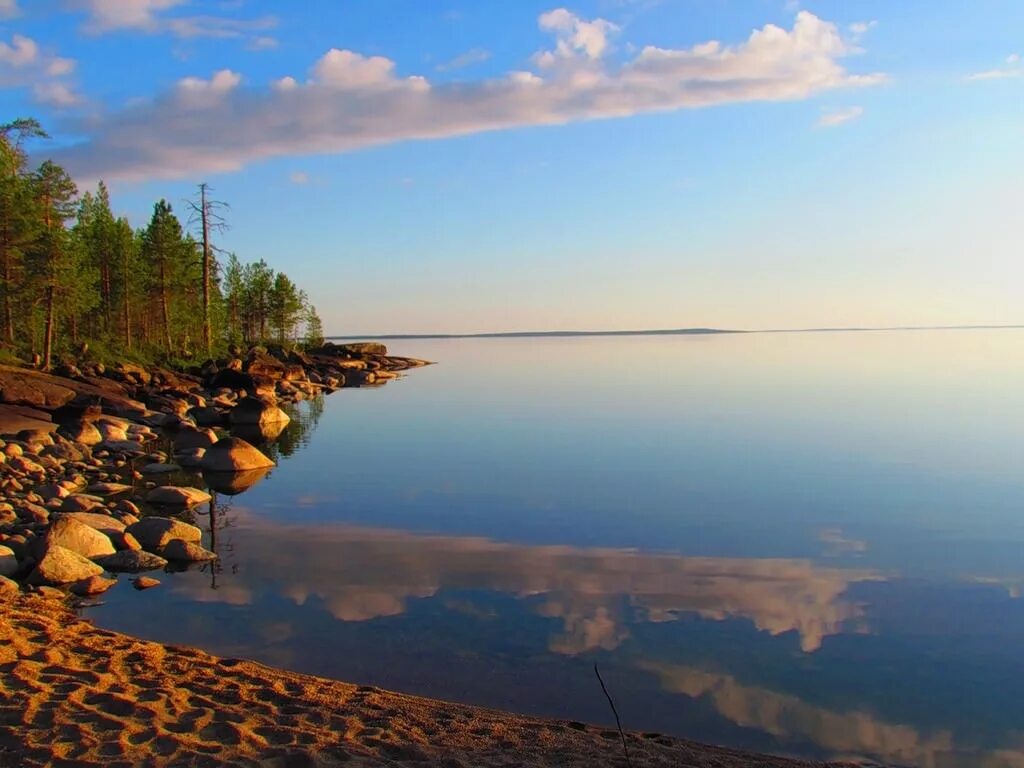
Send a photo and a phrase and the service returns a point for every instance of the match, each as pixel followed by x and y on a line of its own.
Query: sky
pixel 475 165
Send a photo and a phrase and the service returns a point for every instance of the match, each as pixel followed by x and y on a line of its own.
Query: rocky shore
pixel 91 460
pixel 86 454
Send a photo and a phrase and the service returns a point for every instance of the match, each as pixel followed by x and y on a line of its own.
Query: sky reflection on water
pixel 804 543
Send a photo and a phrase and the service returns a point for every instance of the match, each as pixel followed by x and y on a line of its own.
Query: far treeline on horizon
pixel 71 273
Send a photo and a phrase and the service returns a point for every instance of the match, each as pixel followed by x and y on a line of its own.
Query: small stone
pixel 144 582
pixel 94 585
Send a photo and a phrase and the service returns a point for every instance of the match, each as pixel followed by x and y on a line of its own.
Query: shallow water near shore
pixel 806 543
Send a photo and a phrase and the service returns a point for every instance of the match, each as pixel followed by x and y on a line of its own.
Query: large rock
pixel 83 432
pixel 108 489
pixel 171 495
pixel 194 438
pixel 62 566
pixel 8 562
pixel 105 524
pixel 132 561
pixel 233 483
pixel 253 410
pixel 259 364
pixel 15 418
pixel 78 537
pixel 153 533
pixel 80 502
pixel 187 552
pixel 233 454
pixel 20 386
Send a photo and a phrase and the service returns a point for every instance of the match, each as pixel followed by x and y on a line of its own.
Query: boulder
pixel 94 585
pixel 78 537
pixel 233 379
pixel 108 489
pixel 8 587
pixel 171 495
pixel 233 483
pixel 252 410
pixel 187 552
pixel 105 524
pixel 194 438
pixel 160 469
pixel 259 364
pixel 15 418
pixel 62 566
pixel 153 532
pixel 20 386
pixel 83 432
pixel 206 416
pixel 80 502
pixel 259 434
pixel 132 561
pixel 233 454
pixel 191 457
pixel 8 562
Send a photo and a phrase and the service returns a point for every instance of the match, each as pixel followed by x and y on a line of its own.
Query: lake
pixel 803 543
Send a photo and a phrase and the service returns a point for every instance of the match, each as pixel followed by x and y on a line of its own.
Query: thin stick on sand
pixel 615 712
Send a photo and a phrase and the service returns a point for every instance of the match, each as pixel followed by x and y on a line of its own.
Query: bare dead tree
pixel 208 215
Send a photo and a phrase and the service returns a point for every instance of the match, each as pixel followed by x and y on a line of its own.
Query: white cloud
pixel 263 43
pixel 463 60
pixel 150 16
pixel 1013 68
pixel 576 36
pixel 196 92
pixel 351 101
pixel 831 118
pixel 9 9
pixel 24 65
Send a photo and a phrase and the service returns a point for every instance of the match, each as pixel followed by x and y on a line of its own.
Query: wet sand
pixel 72 694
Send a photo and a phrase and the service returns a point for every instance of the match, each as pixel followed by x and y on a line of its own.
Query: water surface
pixel 804 543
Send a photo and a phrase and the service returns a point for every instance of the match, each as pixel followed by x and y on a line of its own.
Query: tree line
pixel 71 272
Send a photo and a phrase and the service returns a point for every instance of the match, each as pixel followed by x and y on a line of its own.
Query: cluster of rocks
pixel 83 492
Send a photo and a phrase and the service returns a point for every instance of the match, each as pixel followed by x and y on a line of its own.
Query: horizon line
pixel 668 332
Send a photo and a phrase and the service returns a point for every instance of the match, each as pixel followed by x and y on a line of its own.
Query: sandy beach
pixel 72 694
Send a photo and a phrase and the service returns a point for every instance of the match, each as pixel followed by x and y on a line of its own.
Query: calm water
pixel 803 543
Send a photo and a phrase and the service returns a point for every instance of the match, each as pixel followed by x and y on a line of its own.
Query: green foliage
pixel 71 271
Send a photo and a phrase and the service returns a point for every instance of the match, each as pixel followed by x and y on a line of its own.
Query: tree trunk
pixel 165 312
pixel 207 341
pixel 8 314
pixel 48 338
pixel 127 309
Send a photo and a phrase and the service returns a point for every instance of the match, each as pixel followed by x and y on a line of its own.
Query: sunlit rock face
pixel 362 573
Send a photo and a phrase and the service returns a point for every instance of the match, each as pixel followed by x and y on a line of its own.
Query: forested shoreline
pixel 74 276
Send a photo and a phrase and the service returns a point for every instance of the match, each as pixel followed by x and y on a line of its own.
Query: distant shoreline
pixel 667 332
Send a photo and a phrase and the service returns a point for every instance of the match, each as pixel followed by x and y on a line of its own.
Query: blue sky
pixel 477 166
